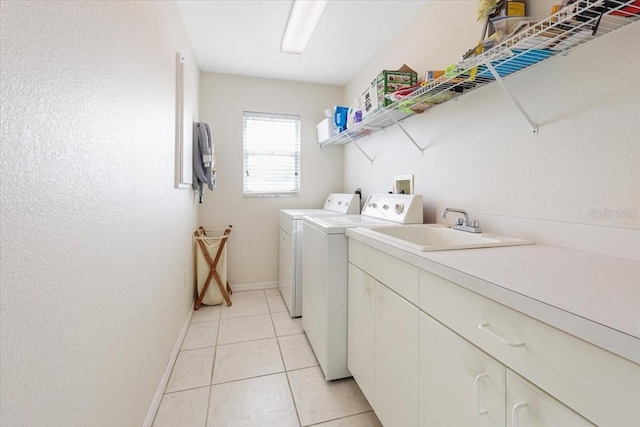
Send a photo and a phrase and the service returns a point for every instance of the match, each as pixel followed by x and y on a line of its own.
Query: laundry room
pixel 390 213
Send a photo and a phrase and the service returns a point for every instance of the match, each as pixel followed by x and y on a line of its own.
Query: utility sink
pixel 435 237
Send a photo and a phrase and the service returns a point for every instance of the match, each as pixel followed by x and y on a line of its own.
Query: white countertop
pixel 594 297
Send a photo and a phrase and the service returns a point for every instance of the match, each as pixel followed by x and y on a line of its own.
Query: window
pixel 271 154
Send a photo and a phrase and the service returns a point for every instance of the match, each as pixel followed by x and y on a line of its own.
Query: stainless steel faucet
pixel 466 225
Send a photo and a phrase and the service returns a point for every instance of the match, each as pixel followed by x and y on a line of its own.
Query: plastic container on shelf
pixel 340 117
pixel 355 114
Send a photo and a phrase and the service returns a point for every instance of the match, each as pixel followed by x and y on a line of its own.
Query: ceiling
pixel 243 37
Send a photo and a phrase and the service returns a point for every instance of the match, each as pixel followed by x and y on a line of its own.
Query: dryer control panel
pixel 343 203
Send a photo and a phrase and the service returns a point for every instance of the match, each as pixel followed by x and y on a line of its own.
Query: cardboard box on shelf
pixel 510 8
pixel 389 81
pixel 369 100
pixel 516 8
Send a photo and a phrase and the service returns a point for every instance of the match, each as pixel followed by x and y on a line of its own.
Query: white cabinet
pixel 564 366
pixel 459 384
pixel 396 359
pixel 445 363
pixel 383 349
pixel 360 330
pixel 528 406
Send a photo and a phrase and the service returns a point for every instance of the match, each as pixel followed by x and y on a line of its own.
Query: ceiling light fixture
pixel 302 21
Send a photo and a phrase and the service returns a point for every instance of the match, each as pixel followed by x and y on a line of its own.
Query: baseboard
pixel 157 398
pixel 253 286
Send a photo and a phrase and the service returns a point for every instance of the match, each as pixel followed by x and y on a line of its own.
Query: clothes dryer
pixel 290 245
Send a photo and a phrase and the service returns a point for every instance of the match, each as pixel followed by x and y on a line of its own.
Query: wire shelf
pixel 557 34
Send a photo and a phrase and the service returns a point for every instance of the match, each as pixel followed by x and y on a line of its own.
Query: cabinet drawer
pixel 601 386
pixel 399 276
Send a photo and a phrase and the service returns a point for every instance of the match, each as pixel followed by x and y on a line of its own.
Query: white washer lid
pixel 337 224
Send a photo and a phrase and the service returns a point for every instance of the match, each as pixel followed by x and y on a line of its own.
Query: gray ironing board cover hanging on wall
pixel 204 163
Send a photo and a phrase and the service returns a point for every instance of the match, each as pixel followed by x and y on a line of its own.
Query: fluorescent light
pixel 302 21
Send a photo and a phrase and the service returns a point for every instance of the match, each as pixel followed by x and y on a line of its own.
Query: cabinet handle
pixel 376 305
pixel 367 296
pixel 477 393
pixel 486 327
pixel 514 412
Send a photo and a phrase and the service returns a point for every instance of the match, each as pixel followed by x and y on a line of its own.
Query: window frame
pixel 249 152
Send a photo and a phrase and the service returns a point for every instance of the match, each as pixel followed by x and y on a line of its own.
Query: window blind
pixel 271 154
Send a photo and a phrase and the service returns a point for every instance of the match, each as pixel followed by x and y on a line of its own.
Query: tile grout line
pixel 213 366
pixel 257 339
pixel 174 366
pixel 340 418
pixel 170 374
pixel 286 375
pixel 276 337
pixel 187 389
pixel 250 378
pixel 209 414
pixel 251 340
pixel 204 346
pixel 248 315
pixel 284 371
pixel 216 355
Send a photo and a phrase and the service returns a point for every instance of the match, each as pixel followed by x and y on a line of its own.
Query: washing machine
pixel 290 245
pixel 324 273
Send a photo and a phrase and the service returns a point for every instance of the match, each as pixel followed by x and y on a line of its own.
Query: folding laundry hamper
pixel 211 267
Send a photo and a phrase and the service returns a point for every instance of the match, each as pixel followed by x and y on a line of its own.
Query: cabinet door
pixel 459 384
pixel 285 269
pixel 528 406
pixel 396 359
pixel 360 330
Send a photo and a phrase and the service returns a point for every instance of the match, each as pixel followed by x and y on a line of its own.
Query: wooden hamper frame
pixel 225 289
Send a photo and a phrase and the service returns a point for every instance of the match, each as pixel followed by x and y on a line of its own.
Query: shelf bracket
pixel 355 142
pixel 413 141
pixel 534 126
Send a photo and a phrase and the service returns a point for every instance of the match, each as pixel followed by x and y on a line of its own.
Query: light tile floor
pixel 251 365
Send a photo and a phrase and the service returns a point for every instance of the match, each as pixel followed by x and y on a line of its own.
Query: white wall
pixel 94 236
pixel 480 152
pixel 253 245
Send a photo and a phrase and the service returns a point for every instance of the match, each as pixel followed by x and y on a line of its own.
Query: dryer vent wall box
pixel 290 245
pixel 403 184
